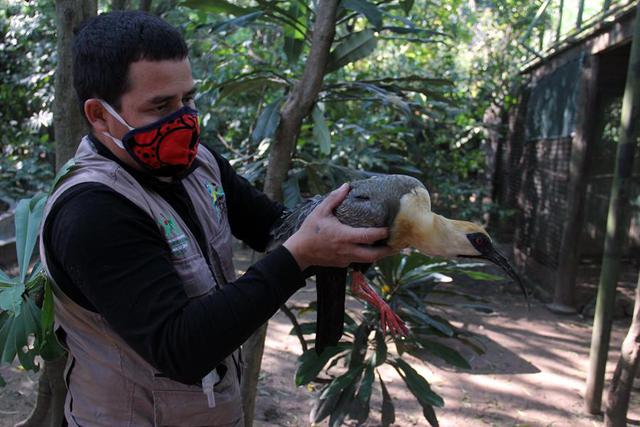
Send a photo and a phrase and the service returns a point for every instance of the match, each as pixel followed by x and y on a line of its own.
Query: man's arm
pixel 104 248
pixel 251 212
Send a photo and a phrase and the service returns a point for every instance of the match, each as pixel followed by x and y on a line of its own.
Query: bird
pixel 403 204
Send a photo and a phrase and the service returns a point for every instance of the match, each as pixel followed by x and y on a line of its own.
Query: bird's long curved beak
pixel 497 258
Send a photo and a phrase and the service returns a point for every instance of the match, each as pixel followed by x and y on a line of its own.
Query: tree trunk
pixel 69 127
pixel 49 409
pixel 298 105
pixel 68 119
pixel 617 227
pixel 617 403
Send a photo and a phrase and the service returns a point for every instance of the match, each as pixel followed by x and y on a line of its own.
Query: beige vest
pixel 108 383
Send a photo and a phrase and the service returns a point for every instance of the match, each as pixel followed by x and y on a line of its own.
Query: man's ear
pixel 96 115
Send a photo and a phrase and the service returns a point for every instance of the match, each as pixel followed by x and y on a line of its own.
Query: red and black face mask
pixel 166 147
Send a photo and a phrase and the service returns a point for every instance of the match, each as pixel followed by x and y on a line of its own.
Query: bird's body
pixel 402 204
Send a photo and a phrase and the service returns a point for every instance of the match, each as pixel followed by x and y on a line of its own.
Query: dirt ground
pixel 532 374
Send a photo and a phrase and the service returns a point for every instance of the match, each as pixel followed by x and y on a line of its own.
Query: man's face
pixel 156 89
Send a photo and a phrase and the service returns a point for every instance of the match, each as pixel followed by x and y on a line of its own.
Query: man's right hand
pixel 324 241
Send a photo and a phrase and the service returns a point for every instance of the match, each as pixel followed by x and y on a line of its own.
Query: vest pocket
pixel 175 404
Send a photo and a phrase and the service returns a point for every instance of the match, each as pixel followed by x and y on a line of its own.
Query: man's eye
pixel 160 107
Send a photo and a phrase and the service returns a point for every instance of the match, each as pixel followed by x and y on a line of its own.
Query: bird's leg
pixel 388 318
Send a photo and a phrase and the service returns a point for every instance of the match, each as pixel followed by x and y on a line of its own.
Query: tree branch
pixel 301 99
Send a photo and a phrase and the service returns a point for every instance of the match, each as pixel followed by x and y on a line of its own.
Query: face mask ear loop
pixel 113 112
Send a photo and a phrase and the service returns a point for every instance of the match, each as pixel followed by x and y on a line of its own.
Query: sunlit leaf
pixel 480 275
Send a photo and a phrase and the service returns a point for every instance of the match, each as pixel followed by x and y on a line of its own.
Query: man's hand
pixel 324 241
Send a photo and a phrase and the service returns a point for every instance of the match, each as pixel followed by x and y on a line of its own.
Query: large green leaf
pixel 311 363
pixel 268 121
pixel 418 386
pixel 8 337
pixel 218 6
pixel 29 324
pixel 355 46
pixel 28 216
pixel 430 415
pixel 63 173
pixel 321 132
pixel 5 280
pixel 48 346
pixel 11 298
pixel 388 413
pixel 380 355
pixel 306 328
pixel 323 408
pixel 426 319
pixel 360 405
pixel 444 352
pixel 481 276
pixel 371 11
pixel 341 382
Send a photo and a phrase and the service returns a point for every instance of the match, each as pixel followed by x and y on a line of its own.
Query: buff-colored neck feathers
pixel 432 234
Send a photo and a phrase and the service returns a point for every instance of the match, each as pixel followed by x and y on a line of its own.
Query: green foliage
pixel 20 297
pixel 26 301
pixel 27 59
pixel 409 283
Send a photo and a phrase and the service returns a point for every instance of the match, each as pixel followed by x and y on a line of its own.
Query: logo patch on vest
pixel 177 240
pixel 217 199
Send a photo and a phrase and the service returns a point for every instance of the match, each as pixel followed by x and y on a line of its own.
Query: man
pixel 137 240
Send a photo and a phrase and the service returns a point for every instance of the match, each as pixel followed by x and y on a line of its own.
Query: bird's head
pixel 477 244
pixel 448 238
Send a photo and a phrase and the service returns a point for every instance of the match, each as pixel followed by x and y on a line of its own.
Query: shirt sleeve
pixel 103 247
pixel 251 212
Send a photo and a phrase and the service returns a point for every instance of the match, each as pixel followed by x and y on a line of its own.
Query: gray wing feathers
pixel 372 202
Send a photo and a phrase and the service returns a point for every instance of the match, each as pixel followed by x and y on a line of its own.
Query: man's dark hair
pixel 105 45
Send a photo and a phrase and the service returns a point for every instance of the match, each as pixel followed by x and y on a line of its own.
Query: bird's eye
pixel 362 197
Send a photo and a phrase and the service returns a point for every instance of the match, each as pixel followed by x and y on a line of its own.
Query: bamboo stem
pixel 617 226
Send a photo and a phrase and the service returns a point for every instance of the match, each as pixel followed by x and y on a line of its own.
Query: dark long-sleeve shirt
pixel 108 256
